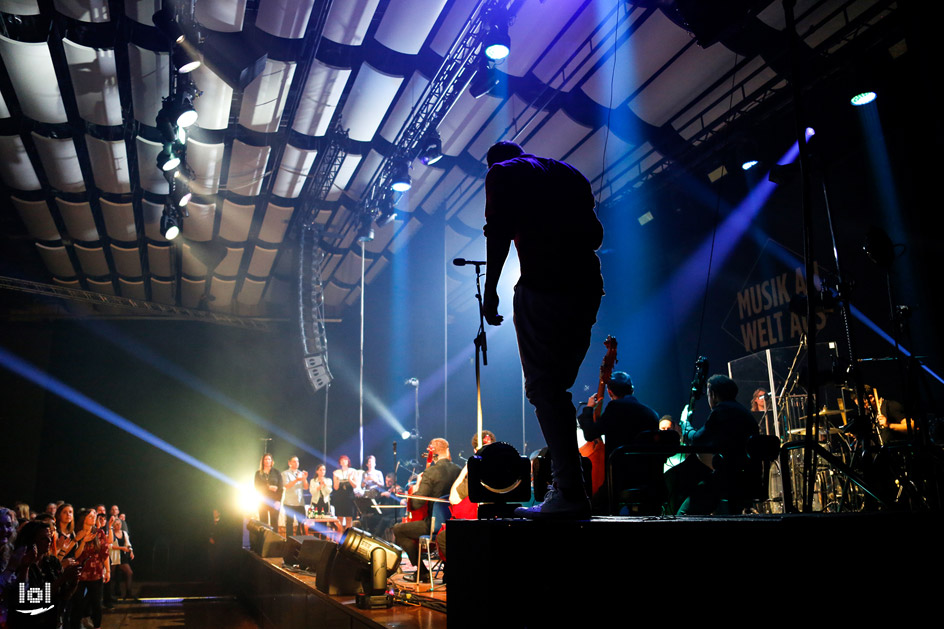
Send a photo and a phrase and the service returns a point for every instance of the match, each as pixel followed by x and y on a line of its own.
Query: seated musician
pixel 377 521
pixel 623 419
pixel 889 415
pixel 435 482
pixel 726 432
pixel 372 479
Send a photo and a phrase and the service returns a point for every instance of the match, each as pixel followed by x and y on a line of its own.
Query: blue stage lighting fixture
pixel 863 98
pixel 497 43
pixel 749 164
pixel 400 180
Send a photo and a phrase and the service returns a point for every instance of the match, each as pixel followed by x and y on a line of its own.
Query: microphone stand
pixel 481 343
pixel 481 346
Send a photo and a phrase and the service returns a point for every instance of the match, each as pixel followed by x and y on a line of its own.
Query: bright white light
pixel 247 500
pixel 863 99
pixel 497 52
pixel 187 118
pixel 172 232
pixel 401 186
pixel 810 132
pixel 749 164
pixel 405 434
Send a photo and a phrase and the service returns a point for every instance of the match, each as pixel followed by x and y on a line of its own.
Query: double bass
pixel 596 450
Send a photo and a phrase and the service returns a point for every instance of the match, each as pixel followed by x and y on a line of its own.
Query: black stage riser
pixel 791 568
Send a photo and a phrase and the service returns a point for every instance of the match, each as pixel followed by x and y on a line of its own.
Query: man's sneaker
pixel 557 506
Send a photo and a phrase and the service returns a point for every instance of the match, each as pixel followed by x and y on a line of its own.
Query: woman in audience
pixel 119 556
pixel 92 555
pixel 65 533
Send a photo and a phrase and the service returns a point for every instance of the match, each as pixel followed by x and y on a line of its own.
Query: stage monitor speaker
pixel 308 552
pixel 273 544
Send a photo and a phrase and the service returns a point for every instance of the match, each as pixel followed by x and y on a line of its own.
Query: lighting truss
pixel 437 99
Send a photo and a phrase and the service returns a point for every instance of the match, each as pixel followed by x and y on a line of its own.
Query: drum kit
pixel 833 490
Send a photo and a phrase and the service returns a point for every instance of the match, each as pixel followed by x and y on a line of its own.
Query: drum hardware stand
pixel 809 446
pixel 880 250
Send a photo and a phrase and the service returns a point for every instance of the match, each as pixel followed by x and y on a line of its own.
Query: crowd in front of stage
pixel 63 566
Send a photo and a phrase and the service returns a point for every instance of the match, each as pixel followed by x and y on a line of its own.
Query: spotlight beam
pixel 194 383
pixel 29 372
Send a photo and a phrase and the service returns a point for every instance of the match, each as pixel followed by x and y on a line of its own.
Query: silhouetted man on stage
pixel 546 208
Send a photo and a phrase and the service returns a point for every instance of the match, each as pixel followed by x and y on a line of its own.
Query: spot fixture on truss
pixel 387 213
pixel 485 80
pixel 431 148
pixel 170 222
pixel 169 157
pixel 749 164
pixel 180 193
pixel 863 98
pixel 184 60
pixel 166 23
pixel 365 232
pixel 497 44
pixel 177 111
pixel 400 177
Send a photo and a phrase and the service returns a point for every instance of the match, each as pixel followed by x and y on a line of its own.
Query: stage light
pixel 431 148
pixel 378 558
pixel 499 476
pixel 180 193
pixel 497 43
pixel 387 214
pixel 749 164
pixel 485 79
pixel 400 179
pixel 184 61
pixel 810 132
pixel 169 157
pixel 165 124
pixel 247 500
pixel 186 114
pixel 862 98
pixel 170 223
pixel 366 231
pixel 166 23
pixel 177 110
pixel 405 435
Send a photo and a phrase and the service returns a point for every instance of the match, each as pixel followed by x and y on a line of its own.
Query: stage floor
pixel 520 573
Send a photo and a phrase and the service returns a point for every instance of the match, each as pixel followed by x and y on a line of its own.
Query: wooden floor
pixel 188 605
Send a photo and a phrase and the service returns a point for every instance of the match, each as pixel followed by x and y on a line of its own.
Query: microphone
pixel 463 262
pixel 394 449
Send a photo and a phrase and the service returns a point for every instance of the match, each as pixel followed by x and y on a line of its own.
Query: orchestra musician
pixel 434 482
pixel 726 432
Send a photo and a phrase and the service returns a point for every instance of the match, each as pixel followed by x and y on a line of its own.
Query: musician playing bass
pixel 621 421
pixel 435 483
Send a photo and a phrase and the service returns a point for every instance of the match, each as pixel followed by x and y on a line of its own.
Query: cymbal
pixel 823 413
